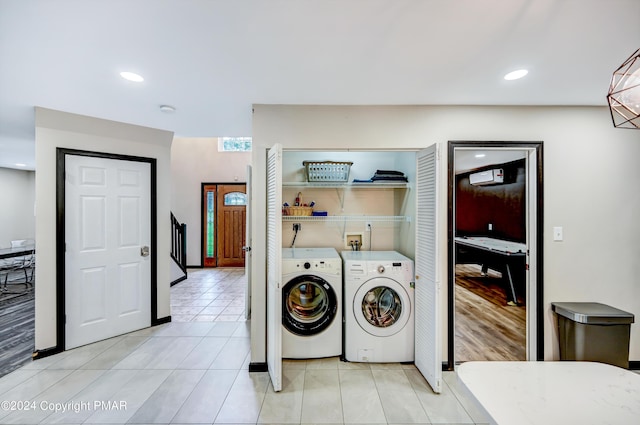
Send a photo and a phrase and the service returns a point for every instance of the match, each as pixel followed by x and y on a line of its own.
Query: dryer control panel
pixel 390 269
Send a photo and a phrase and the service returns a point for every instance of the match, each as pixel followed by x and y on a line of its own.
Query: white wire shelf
pixel 347 218
pixel 339 185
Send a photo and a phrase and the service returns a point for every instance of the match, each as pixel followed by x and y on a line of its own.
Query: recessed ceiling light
pixel 19 164
pixel 167 108
pixel 132 76
pixel 480 155
pixel 514 75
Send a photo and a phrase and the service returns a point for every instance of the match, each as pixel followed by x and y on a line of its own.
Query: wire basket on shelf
pixel 327 171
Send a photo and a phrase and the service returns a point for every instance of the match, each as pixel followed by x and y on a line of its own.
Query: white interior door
pixel 107 236
pixel 428 340
pixel 274 261
pixel 247 248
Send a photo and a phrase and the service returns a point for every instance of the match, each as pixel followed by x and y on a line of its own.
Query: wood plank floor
pixel 486 328
pixel 17 328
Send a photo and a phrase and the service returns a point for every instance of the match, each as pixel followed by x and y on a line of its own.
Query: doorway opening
pixel 224 208
pixel 495 246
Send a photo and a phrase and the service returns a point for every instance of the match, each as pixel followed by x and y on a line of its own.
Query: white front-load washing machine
pixel 379 307
pixel 311 303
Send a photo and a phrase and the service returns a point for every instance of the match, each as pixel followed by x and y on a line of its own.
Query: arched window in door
pixel 235 198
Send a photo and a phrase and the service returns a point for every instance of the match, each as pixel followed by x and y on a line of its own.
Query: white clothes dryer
pixel 379 307
pixel 311 303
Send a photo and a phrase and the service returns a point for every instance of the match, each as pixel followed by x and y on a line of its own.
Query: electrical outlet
pixel 367 226
pixel 297 226
pixel 352 239
pixel 557 234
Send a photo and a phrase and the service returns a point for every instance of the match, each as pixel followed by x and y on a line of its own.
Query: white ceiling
pixel 213 59
pixel 472 159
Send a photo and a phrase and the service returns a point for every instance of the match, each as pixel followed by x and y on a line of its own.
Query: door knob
pixel 144 251
pixel 246 248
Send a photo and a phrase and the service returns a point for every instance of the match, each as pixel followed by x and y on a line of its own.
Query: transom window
pixel 234 144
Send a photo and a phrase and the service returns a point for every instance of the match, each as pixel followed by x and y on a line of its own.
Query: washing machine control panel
pixel 315 265
pixel 311 266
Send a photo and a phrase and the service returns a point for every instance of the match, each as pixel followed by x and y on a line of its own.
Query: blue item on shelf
pixel 320 213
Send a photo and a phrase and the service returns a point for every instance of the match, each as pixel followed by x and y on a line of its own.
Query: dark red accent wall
pixel 502 205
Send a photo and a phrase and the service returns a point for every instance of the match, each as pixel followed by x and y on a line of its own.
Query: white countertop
pixel 564 393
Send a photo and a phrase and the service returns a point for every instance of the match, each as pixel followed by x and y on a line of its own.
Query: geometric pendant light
pixel 624 93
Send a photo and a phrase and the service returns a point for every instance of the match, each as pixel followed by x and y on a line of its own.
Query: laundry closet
pixel 372 224
pixel 378 214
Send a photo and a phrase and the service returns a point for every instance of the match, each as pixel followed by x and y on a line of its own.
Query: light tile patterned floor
pixel 210 295
pixel 197 373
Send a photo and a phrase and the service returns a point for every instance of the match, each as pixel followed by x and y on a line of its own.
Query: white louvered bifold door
pixel 428 342
pixel 247 247
pixel 274 273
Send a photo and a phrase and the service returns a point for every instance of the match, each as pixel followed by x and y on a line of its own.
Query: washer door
pixel 382 306
pixel 309 305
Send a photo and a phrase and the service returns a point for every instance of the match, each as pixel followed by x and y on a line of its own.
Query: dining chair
pixel 24 264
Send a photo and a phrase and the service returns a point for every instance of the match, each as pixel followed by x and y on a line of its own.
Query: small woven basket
pixel 297 211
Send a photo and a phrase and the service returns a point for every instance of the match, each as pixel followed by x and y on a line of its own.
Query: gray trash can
pixel 593 332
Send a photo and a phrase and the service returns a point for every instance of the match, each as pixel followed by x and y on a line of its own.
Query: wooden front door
pixel 223 224
pixel 231 214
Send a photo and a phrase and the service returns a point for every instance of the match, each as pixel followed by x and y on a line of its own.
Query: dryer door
pixel 382 306
pixel 309 305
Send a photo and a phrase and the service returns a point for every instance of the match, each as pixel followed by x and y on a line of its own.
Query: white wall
pixel 195 161
pixel 59 129
pixel 17 216
pixel 590 181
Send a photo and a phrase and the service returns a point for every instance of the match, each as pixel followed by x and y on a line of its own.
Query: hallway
pixel 210 295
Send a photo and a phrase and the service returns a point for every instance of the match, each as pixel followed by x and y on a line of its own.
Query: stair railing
pixel 179 243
